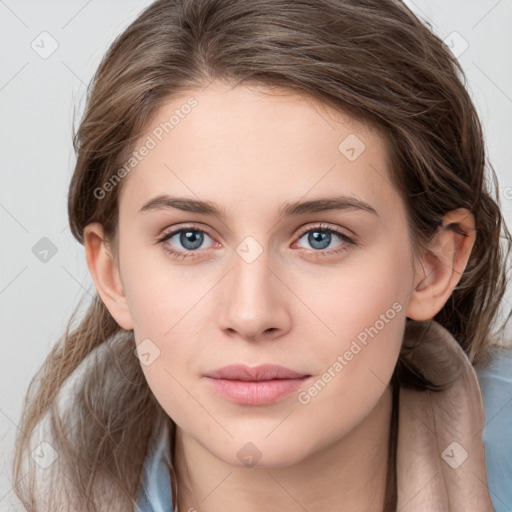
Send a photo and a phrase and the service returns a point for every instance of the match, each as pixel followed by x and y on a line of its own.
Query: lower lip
pixel 255 392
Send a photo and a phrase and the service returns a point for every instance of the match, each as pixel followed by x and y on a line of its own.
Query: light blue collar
pixel 155 494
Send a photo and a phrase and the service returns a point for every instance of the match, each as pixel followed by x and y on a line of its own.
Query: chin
pixel 261 454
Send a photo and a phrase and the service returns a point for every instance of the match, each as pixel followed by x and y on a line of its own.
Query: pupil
pixel 315 237
pixel 190 237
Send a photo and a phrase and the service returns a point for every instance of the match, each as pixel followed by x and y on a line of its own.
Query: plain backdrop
pixel 49 51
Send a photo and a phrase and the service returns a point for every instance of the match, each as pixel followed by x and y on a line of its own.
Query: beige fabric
pixel 440 453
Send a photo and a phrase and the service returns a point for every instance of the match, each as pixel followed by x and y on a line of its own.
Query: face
pixel 320 291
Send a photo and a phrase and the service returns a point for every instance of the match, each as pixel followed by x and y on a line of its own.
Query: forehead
pixel 238 144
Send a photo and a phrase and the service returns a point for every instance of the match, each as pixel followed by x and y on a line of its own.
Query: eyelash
pixel 318 253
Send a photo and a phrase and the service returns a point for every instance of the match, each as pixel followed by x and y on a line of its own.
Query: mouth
pixel 260 385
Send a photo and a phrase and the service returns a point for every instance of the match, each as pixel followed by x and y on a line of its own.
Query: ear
pixel 441 266
pixel 104 270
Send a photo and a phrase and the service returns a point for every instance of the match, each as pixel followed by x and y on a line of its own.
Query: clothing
pixel 496 383
pixel 440 455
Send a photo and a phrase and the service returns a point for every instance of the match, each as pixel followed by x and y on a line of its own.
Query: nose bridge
pixel 251 278
pixel 252 304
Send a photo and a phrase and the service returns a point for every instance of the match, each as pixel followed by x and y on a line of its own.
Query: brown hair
pixel 373 59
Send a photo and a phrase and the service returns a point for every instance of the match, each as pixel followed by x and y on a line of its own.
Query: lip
pixel 258 385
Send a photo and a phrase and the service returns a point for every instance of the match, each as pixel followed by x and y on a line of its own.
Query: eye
pixel 320 237
pixel 190 238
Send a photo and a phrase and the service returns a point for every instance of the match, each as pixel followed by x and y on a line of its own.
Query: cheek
pixel 154 288
pixel 362 308
pixel 356 360
pixel 165 304
pixel 165 329
pixel 354 295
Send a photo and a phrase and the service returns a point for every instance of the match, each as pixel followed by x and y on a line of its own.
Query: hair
pixel 372 59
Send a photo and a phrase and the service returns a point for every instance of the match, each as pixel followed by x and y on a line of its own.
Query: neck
pixel 351 472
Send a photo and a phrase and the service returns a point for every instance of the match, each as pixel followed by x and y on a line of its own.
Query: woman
pixel 297 256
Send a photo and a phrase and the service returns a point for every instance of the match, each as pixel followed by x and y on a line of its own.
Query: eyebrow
pixel 288 209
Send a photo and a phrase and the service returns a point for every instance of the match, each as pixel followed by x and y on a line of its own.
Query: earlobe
pixel 442 265
pixel 105 273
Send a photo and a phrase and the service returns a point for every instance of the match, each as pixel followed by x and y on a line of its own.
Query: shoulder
pixel 495 379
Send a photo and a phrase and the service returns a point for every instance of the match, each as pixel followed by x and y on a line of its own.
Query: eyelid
pixel 170 232
pixel 323 226
pixel 298 234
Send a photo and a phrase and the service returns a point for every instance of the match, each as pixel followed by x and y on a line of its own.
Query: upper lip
pixel 254 373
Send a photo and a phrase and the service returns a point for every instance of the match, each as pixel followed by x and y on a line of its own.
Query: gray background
pixel 37 99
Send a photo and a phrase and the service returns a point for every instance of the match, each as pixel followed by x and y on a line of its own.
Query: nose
pixel 254 301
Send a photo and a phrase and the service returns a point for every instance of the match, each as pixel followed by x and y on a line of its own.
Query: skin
pixel 250 151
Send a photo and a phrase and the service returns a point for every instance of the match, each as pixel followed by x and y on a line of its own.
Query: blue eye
pixel 321 237
pixel 191 239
